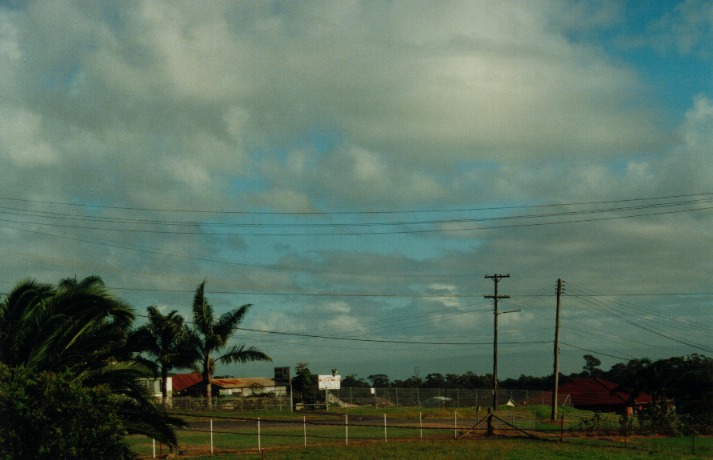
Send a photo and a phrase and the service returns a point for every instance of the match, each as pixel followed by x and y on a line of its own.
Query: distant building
pixel 192 385
pixel 597 395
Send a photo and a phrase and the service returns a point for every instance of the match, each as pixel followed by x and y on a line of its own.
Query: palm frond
pixel 202 311
pixel 241 354
pixel 228 322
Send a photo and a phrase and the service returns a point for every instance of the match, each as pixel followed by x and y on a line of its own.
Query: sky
pixel 355 169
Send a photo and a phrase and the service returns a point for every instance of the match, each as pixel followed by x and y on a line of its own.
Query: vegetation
pixel 166 339
pixel 282 436
pixel 515 449
pixel 685 383
pixel 78 331
pixel 303 385
pixel 69 350
pixel 49 416
pixel 211 335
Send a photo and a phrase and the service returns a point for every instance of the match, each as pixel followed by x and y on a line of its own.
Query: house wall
pixel 154 386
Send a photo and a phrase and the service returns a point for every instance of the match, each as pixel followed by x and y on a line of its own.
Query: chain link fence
pixel 375 397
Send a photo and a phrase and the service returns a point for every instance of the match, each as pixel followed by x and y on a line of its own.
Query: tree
pixel 78 324
pixel 78 327
pixel 411 382
pixel 303 384
pixel 48 416
pixel 472 380
pixel 210 336
pixel 435 380
pixel 353 380
pixel 379 380
pixel 167 339
pixel 591 366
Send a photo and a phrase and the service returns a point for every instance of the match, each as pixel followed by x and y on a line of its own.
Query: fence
pixel 229 403
pixel 377 397
pixel 433 397
pixel 231 433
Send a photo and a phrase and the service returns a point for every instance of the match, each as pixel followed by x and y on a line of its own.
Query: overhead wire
pixel 435 225
pixel 644 314
pixel 599 306
pixel 321 213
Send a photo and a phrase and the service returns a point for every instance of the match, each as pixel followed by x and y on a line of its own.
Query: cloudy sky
pixel 355 169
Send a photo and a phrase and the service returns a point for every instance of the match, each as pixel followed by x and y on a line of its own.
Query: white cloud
pixel 690 168
pixel 21 140
pixel 342 106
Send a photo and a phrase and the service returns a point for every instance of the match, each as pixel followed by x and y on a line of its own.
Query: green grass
pixel 282 436
pixel 516 449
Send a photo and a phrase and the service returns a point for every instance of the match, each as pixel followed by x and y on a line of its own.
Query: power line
pixel 371 340
pixel 379 233
pixel 649 329
pixel 596 352
pixel 411 342
pixel 327 213
pixel 436 225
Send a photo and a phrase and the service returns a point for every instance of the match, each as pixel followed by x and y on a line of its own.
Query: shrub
pixel 660 419
pixel 52 416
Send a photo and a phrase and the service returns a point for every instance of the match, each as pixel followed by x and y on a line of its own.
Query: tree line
pixel 72 364
pixel 684 381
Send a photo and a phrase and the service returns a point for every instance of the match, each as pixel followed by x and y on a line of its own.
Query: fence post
pixel 420 423
pixel 153 443
pixel 211 436
pixel 304 428
pixel 259 441
pixel 386 439
pixel 346 429
pixel 455 424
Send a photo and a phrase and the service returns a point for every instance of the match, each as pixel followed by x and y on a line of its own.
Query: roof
pixel 598 392
pixel 183 381
pixel 244 382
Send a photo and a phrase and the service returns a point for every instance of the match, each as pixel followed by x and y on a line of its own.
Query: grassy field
pixel 493 448
pixel 411 433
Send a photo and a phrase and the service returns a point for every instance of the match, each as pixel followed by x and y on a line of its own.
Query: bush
pixel 50 416
pixel 660 419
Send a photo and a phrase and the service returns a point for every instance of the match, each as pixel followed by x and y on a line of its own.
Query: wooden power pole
pixel 557 351
pixel 496 278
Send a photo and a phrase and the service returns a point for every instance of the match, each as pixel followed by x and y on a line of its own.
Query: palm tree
pixel 211 336
pixel 76 325
pixel 166 338
pixel 79 327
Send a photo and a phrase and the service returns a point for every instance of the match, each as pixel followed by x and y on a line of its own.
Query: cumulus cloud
pixel 240 112
pixel 202 88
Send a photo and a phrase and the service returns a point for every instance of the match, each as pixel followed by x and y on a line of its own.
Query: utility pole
pixel 496 278
pixel 560 284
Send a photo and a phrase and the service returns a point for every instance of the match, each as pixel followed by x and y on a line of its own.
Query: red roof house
pixel 183 382
pixel 601 395
pixel 191 384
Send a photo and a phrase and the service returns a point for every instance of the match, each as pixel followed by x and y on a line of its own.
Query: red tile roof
pixel 244 382
pixel 598 392
pixel 183 381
